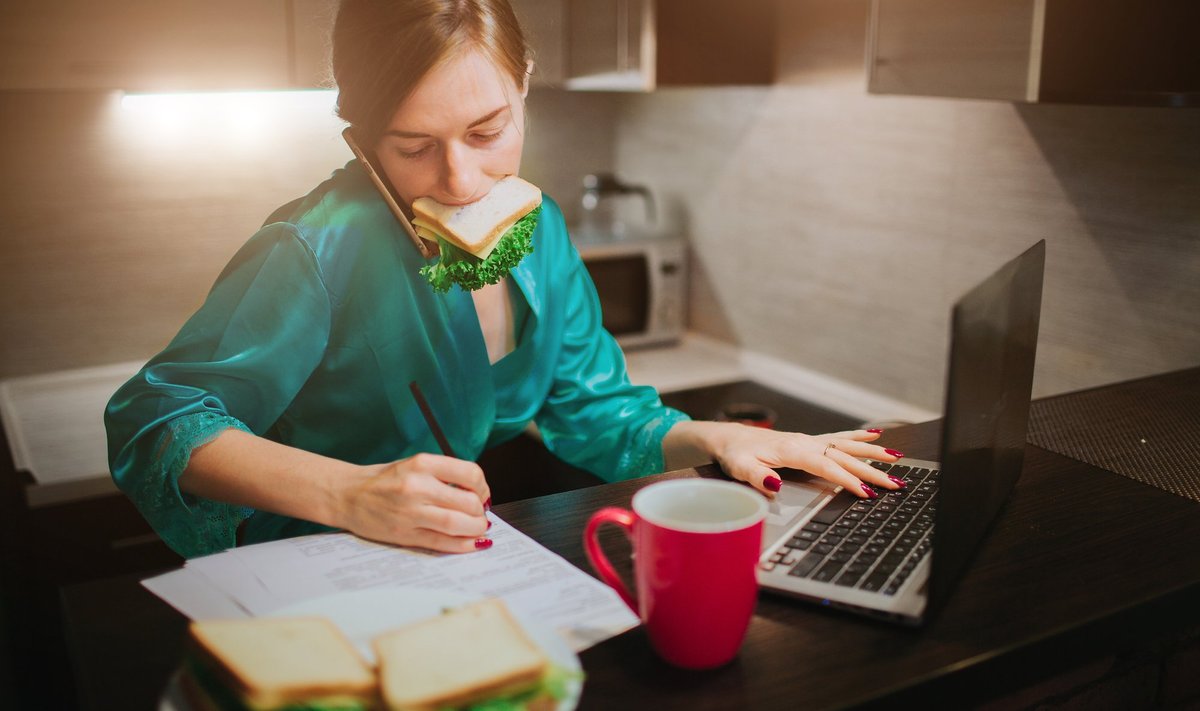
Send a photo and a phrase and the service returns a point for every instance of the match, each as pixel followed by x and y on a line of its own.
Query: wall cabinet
pixel 221 45
pixel 640 45
pixel 143 45
pixel 1077 51
pixel 606 45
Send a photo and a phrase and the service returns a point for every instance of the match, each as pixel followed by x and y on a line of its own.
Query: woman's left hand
pixel 751 454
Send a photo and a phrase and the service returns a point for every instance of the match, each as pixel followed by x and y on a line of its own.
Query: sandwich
pixel 265 664
pixel 474 657
pixel 482 241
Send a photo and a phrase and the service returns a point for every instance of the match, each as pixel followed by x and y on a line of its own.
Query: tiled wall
pixel 833 228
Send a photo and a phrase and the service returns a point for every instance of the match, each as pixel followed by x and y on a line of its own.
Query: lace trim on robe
pixel 192 526
pixel 645 457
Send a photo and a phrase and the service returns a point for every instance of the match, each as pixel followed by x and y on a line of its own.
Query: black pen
pixel 431 420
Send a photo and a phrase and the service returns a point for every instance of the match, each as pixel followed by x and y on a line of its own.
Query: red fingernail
pixel 869 492
pixel 481 543
pixel 894 453
pixel 875 430
pixel 490 523
pixel 895 480
pixel 773 483
pixel 487 505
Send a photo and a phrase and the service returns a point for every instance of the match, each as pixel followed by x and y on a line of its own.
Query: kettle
pixel 605 209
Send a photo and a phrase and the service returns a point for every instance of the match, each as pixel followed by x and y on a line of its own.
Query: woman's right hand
pixel 426 501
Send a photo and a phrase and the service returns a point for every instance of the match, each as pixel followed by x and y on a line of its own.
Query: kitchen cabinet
pixel 143 45
pixel 1075 51
pixel 543 24
pixel 640 45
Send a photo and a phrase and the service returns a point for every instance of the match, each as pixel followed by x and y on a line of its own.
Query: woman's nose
pixel 460 176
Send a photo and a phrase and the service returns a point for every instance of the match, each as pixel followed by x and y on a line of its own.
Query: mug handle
pixel 595 555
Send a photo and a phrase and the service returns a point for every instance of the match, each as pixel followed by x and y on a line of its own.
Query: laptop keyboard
pixel 867 544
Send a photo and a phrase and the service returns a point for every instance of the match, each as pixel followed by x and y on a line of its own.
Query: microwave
pixel 642 287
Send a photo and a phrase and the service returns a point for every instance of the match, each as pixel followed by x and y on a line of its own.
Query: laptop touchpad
pixel 794 501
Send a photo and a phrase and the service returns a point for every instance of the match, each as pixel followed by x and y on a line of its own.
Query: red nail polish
pixel 772 483
pixel 481 543
pixel 875 430
pixel 489 524
pixel 894 453
pixel 487 505
pixel 898 481
pixel 869 492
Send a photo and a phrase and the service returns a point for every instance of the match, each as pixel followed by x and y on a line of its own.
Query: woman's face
pixel 457 134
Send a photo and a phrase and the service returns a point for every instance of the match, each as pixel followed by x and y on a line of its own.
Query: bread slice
pixel 477 227
pixel 270 662
pixel 466 655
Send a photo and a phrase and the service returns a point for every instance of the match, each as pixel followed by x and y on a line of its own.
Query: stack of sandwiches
pixel 477 656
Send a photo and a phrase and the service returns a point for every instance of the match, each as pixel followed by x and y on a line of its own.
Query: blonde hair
pixel 383 48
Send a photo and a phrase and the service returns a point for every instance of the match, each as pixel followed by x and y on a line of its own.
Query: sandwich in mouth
pixel 482 241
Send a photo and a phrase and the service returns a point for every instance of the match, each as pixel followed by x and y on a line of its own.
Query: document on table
pixel 534 581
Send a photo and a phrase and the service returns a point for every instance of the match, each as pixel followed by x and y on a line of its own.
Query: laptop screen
pixel 994 331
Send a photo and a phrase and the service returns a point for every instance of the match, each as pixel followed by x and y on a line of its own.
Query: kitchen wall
pixel 116 217
pixel 833 228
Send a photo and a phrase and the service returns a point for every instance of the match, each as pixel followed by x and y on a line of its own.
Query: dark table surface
pixel 1081 563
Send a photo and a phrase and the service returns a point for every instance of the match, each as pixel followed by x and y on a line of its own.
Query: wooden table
pixel 1081 564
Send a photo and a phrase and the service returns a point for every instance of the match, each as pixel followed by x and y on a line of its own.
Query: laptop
pixel 897 557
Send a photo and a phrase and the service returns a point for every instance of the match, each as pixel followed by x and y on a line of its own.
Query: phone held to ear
pixel 388 197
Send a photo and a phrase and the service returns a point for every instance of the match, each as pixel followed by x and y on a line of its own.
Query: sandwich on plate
pixel 482 241
pixel 269 664
pixel 474 657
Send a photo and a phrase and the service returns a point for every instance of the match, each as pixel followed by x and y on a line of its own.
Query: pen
pixel 431 420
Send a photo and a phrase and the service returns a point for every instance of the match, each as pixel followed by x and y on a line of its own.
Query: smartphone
pixel 388 197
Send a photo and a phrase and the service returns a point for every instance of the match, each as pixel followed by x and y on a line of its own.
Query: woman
pixel 282 407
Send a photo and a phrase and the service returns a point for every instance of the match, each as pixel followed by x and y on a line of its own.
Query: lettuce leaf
pixel 454 266
pixel 554 684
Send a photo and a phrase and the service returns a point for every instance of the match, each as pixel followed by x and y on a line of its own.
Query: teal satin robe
pixel 311 336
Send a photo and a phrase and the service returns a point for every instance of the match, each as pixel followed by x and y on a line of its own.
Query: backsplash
pixel 834 228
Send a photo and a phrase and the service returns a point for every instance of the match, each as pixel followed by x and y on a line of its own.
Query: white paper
pixel 193 595
pixel 531 579
pixel 230 575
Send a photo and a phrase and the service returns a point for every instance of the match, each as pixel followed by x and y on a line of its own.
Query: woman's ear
pixel 528 73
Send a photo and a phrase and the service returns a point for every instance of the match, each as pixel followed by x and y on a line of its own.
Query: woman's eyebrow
pixel 482 119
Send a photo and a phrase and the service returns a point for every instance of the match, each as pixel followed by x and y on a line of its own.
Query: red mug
pixel 695 548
